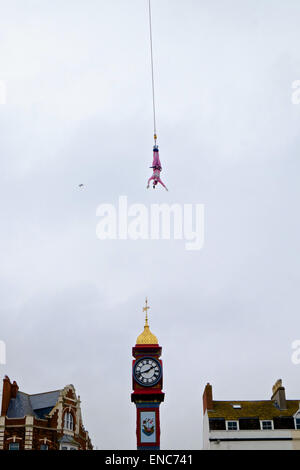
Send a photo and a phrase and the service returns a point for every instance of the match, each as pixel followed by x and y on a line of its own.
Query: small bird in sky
pixel 81 185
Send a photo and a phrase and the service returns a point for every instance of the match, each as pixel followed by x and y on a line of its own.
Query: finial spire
pixel 146 337
pixel 145 309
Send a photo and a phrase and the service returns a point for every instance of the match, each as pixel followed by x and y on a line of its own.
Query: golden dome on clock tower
pixel 146 337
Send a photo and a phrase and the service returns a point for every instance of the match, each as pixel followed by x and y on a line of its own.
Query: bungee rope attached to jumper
pixel 156 165
pixel 152 72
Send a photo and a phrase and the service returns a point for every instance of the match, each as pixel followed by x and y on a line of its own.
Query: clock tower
pixel 147 383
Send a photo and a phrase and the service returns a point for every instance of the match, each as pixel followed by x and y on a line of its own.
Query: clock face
pixel 147 371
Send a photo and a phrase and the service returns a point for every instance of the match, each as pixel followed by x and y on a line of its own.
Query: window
pixel 217 424
pixel 14 446
pixel 68 448
pixel 232 425
pixel 266 425
pixel 297 421
pixel 44 447
pixel 247 424
pixel 69 422
pixel 236 407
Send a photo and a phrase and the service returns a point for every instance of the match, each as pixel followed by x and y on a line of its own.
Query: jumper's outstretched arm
pixel 160 181
pixel 151 178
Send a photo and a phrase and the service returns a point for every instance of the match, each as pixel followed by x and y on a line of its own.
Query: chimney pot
pixel 14 389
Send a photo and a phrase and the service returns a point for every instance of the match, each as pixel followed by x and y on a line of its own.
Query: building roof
pixel 263 409
pixel 19 406
pixel 44 400
pixel 147 337
pixel 38 405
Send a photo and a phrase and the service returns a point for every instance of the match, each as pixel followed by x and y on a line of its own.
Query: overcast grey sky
pixel 79 110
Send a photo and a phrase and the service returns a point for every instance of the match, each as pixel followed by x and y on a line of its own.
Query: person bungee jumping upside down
pixel 156 165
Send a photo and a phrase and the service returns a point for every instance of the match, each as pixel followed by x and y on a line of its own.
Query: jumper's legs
pixel 156 160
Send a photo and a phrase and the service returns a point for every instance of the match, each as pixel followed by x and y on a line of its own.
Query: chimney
pixel 14 389
pixel 207 398
pixel 278 395
pixel 6 395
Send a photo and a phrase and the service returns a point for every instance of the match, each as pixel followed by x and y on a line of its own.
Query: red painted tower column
pixel 147 383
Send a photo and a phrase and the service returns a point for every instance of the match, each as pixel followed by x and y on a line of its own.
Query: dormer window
pixel 232 425
pixel 266 425
pixel 69 421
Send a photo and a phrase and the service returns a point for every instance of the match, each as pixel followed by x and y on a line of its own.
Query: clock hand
pixel 141 372
pixel 145 371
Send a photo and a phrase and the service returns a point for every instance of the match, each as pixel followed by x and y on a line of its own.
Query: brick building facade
pixel 44 421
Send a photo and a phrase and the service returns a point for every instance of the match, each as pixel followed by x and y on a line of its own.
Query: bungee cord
pixel 156 165
pixel 152 73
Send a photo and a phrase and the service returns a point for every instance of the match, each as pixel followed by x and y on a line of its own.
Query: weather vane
pixel 145 309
